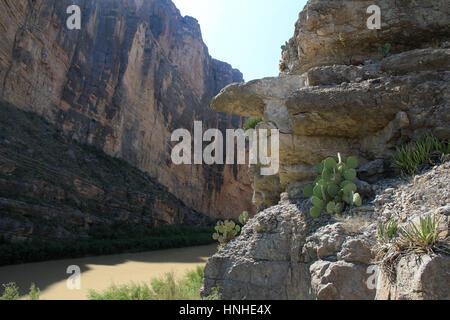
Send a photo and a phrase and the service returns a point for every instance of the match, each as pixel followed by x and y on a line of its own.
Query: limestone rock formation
pixel 365 111
pixel 136 71
pixel 342 90
pixel 418 278
pixel 335 32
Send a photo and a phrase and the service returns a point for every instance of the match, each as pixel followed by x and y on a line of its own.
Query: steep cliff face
pixel 136 71
pixel 53 188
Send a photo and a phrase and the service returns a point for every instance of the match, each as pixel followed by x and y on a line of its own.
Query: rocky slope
pixel 136 71
pixel 338 93
pixel 285 254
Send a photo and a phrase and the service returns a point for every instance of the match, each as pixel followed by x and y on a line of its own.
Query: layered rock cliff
pixel 342 90
pixel 53 188
pixel 135 71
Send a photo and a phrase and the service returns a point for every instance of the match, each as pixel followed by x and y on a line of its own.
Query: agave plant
pixel 333 189
pixel 424 234
pixel 388 231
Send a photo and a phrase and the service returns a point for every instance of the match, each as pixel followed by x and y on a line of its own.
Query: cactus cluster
pixel 228 230
pixel 333 189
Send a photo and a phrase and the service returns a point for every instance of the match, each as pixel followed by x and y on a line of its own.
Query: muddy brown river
pixel 99 273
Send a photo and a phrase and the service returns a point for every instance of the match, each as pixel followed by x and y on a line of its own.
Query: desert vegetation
pixel 333 189
pixel 251 123
pixel 106 240
pixel 419 236
pixel 163 288
pixel 420 154
pixel 227 230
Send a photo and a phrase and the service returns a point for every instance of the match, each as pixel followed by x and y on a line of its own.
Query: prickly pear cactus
pixel 225 232
pixel 228 230
pixel 333 189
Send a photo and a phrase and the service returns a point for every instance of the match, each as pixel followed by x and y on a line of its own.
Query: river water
pixel 99 273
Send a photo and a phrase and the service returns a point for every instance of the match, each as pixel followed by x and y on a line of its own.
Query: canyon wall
pixel 135 71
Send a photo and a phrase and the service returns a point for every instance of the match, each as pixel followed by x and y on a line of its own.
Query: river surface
pixel 99 273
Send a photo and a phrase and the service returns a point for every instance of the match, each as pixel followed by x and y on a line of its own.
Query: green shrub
pixel 11 292
pixel 35 293
pixel 333 189
pixel 164 288
pixel 251 123
pixel 104 241
pixel 414 156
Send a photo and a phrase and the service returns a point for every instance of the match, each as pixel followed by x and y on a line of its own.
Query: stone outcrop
pixel 136 71
pixel 335 32
pixel 418 278
pixel 365 111
pixel 338 92
pixel 285 254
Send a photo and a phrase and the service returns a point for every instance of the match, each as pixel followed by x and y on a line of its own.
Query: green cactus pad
pixel 350 174
pixel 352 163
pixel 317 202
pixel 330 163
pixel 308 191
pixel 333 190
pixel 315 212
pixel 331 207
pixel 350 187
pixel 327 175
pixel 317 191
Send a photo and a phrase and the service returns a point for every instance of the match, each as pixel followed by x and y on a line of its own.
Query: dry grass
pixel 355 223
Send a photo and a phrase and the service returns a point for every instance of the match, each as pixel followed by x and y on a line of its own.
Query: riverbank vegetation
pixel 164 288
pixel 105 241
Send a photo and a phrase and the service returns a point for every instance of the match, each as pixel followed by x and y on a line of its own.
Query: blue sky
pixel 247 34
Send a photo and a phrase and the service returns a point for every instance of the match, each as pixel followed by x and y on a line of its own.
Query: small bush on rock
pixel 251 123
pixel 333 189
